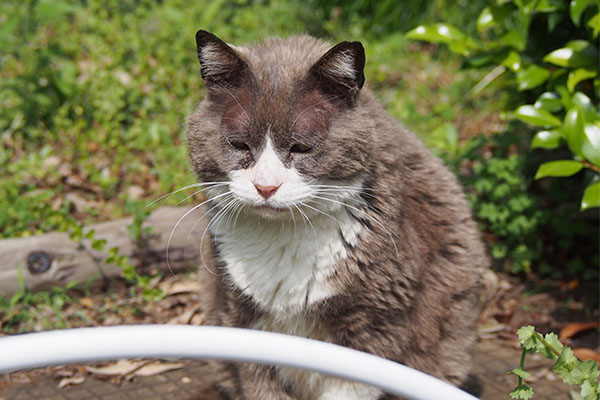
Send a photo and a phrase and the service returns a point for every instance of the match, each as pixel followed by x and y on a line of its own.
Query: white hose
pixel 207 342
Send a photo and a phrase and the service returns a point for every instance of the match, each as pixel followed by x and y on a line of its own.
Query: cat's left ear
pixel 221 65
pixel 341 70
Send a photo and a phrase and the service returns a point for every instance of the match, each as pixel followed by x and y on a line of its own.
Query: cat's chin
pixel 271 212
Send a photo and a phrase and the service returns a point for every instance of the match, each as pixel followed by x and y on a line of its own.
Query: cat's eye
pixel 300 148
pixel 238 145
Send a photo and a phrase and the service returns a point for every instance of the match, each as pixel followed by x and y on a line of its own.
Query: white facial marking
pixel 269 170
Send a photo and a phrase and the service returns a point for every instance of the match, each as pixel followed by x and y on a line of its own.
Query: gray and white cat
pixel 329 220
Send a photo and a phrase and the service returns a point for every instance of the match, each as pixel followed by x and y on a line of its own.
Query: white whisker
pixel 179 221
pixel 197 184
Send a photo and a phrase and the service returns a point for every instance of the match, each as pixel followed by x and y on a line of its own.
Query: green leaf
pixel 552 340
pixel 564 365
pixel 512 61
pixel 573 129
pixel 588 392
pixel 594 24
pixel 485 19
pixel 577 7
pixel 558 168
pixel 546 139
pixel 443 33
pixel 548 6
pixel 585 370
pixel 527 337
pixel 590 146
pixel 536 116
pixel 513 39
pixel 521 373
pixel 98 244
pixel 581 101
pixel 532 76
pixel 565 97
pixel 577 53
pixel 549 101
pixel 522 392
pixel 591 196
pixel 579 75
pixel 526 6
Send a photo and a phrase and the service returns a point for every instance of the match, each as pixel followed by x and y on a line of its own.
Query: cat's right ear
pixel 340 71
pixel 222 67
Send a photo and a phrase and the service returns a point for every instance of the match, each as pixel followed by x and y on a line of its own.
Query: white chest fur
pixel 284 266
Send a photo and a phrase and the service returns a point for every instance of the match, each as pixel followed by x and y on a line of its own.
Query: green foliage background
pixel 94 95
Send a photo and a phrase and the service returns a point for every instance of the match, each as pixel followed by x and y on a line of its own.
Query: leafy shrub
pixel 567 366
pixel 544 54
pixel 550 51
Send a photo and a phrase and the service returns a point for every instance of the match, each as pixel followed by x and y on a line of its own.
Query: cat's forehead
pixel 278 63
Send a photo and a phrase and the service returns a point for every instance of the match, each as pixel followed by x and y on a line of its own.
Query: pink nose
pixel 266 191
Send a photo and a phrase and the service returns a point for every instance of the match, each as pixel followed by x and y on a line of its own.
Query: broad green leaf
pixel 594 24
pixel 443 33
pixel 579 75
pixel 585 370
pixel 590 147
pixel 522 392
pixel 527 337
pixel 512 61
pixel 526 6
pixel 559 168
pixel 588 392
pixel 547 6
pixel 485 20
pixel 591 196
pixel 565 97
pixel 501 11
pixel 586 106
pixel 536 116
pixel 552 340
pixel 573 129
pixel 577 7
pixel 546 139
pixel 564 365
pixel 577 53
pixel 532 76
pixel 521 373
pixel 513 39
pixel 549 101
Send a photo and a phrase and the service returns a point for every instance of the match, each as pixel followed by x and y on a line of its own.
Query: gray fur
pixel 415 299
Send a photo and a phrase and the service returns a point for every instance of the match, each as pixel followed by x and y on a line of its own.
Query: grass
pixel 94 96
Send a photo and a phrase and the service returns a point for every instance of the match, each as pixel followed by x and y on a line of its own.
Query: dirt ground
pixel 561 308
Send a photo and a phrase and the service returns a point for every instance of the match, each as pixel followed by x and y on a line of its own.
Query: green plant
pixel 566 365
pixel 545 50
pixel 26 311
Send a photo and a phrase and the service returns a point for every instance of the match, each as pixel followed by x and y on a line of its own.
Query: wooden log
pixel 53 259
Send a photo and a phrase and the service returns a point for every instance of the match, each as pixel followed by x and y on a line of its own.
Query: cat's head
pixel 282 125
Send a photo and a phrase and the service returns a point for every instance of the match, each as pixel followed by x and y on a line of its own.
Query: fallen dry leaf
pixel 75 380
pixel 87 302
pixel 586 354
pixel 178 287
pixel 120 368
pixel 572 329
pixel 155 368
